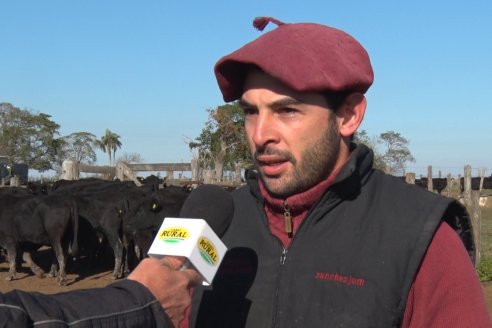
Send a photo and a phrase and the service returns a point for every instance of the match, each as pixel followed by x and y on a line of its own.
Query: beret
pixel 306 57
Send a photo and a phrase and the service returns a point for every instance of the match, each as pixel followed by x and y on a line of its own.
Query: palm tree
pixel 108 143
pixel 115 145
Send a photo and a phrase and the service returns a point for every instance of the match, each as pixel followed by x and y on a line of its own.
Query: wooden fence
pixel 128 172
pixel 464 192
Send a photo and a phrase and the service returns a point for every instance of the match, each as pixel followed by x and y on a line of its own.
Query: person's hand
pixel 171 287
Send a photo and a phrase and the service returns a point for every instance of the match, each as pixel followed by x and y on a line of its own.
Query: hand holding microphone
pixel 170 278
pixel 170 286
pixel 204 217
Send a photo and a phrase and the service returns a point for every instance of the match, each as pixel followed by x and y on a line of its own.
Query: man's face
pixel 294 138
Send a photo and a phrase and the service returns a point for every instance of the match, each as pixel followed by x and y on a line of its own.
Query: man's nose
pixel 265 129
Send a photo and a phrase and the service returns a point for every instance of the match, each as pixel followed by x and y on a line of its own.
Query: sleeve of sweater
pixel 122 304
pixel 446 291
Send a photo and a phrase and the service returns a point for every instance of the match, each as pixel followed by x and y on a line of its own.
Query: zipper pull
pixel 283 256
pixel 287 219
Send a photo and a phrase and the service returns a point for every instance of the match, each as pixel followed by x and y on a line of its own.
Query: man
pixel 155 294
pixel 319 238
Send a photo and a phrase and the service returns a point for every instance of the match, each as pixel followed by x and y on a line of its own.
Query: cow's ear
pixel 351 113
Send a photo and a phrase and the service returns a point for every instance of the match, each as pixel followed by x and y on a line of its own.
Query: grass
pixel 486 233
pixel 484 268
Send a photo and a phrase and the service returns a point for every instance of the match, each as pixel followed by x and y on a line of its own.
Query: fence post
pixel 70 170
pixel 124 173
pixel 476 220
pixel 194 169
pixel 120 171
pixel 467 186
pixel 237 176
pixel 410 178
pixel 207 176
pixel 449 181
pixel 430 187
pixel 481 174
pixel 15 181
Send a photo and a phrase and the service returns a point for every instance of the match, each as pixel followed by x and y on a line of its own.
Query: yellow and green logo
pixel 208 251
pixel 174 234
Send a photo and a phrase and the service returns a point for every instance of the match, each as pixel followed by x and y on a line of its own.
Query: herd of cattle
pixel 76 217
pixel 439 184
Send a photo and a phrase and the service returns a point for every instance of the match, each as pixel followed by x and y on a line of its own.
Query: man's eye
pixel 249 111
pixel 287 110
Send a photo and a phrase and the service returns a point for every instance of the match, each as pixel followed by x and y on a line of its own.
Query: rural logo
pixel 208 251
pixel 174 234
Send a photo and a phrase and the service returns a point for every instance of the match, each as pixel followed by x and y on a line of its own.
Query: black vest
pixel 351 264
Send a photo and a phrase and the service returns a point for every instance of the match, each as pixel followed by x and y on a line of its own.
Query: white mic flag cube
pixel 193 239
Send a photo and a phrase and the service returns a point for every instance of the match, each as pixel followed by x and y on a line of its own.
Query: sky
pixel 144 69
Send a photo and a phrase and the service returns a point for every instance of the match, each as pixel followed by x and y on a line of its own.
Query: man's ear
pixel 351 113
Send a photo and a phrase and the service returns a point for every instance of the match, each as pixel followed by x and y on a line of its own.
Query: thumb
pixel 173 262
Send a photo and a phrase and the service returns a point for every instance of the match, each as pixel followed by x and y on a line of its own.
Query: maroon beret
pixel 306 57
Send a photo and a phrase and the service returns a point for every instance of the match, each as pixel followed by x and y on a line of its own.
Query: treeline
pixel 34 139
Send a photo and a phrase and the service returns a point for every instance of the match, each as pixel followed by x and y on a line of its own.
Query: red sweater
pixel 446 291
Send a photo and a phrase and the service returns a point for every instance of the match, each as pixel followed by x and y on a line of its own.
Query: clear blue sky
pixel 144 69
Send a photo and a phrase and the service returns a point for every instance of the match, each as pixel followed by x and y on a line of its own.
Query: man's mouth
pixel 271 165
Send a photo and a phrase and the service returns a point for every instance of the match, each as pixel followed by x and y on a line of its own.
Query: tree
pixel 28 137
pixel 79 146
pixel 130 158
pixel 363 138
pixel 222 142
pixel 109 143
pixel 396 153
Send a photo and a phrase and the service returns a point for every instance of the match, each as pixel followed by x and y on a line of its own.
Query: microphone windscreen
pixel 211 203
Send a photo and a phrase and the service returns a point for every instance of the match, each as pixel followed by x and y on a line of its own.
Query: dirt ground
pixel 97 276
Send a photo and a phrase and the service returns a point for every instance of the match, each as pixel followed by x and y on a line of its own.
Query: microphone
pixel 204 217
pixel 212 203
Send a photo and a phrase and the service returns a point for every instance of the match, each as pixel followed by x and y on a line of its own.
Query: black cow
pixel 152 181
pixel 13 205
pixel 475 183
pixel 104 210
pixel 88 184
pixel 141 225
pixel 438 184
pixel 28 222
pixel 14 190
pixel 60 218
pixel 101 204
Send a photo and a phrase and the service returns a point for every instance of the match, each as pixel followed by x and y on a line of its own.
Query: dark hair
pixel 335 98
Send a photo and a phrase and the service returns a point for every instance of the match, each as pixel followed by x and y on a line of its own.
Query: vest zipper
pixel 287 219
pixel 283 256
pixel 288 226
